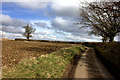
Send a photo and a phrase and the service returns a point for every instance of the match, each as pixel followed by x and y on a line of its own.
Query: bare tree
pixel 28 31
pixel 102 17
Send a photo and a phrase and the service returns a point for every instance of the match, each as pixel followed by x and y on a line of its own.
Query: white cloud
pixel 4 34
pixel 40 4
pixel 48 37
pixel 12 36
pixel 27 0
pixel 42 23
pixel 45 32
pixel 66 8
pixel 12 29
pixel 6 20
pixel 0 34
pixel 67 25
pixel 33 5
pixel 80 38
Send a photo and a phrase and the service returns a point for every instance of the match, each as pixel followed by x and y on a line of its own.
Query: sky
pixel 52 19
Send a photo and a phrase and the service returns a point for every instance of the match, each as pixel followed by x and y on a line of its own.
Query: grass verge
pixel 45 66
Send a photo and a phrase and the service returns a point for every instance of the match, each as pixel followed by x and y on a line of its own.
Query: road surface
pixel 89 66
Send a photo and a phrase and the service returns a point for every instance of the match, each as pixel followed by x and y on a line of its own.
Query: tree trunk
pixel 103 40
pixel 28 36
pixel 111 39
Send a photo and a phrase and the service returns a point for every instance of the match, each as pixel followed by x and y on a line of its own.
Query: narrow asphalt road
pixel 89 66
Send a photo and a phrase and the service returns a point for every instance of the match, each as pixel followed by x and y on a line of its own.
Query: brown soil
pixel 15 51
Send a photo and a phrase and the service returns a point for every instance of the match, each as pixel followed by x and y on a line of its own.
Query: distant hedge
pixel 69 42
pixel 109 53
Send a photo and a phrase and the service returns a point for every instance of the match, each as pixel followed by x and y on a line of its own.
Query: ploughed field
pixel 15 51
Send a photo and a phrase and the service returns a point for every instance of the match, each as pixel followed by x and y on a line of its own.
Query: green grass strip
pixel 46 66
